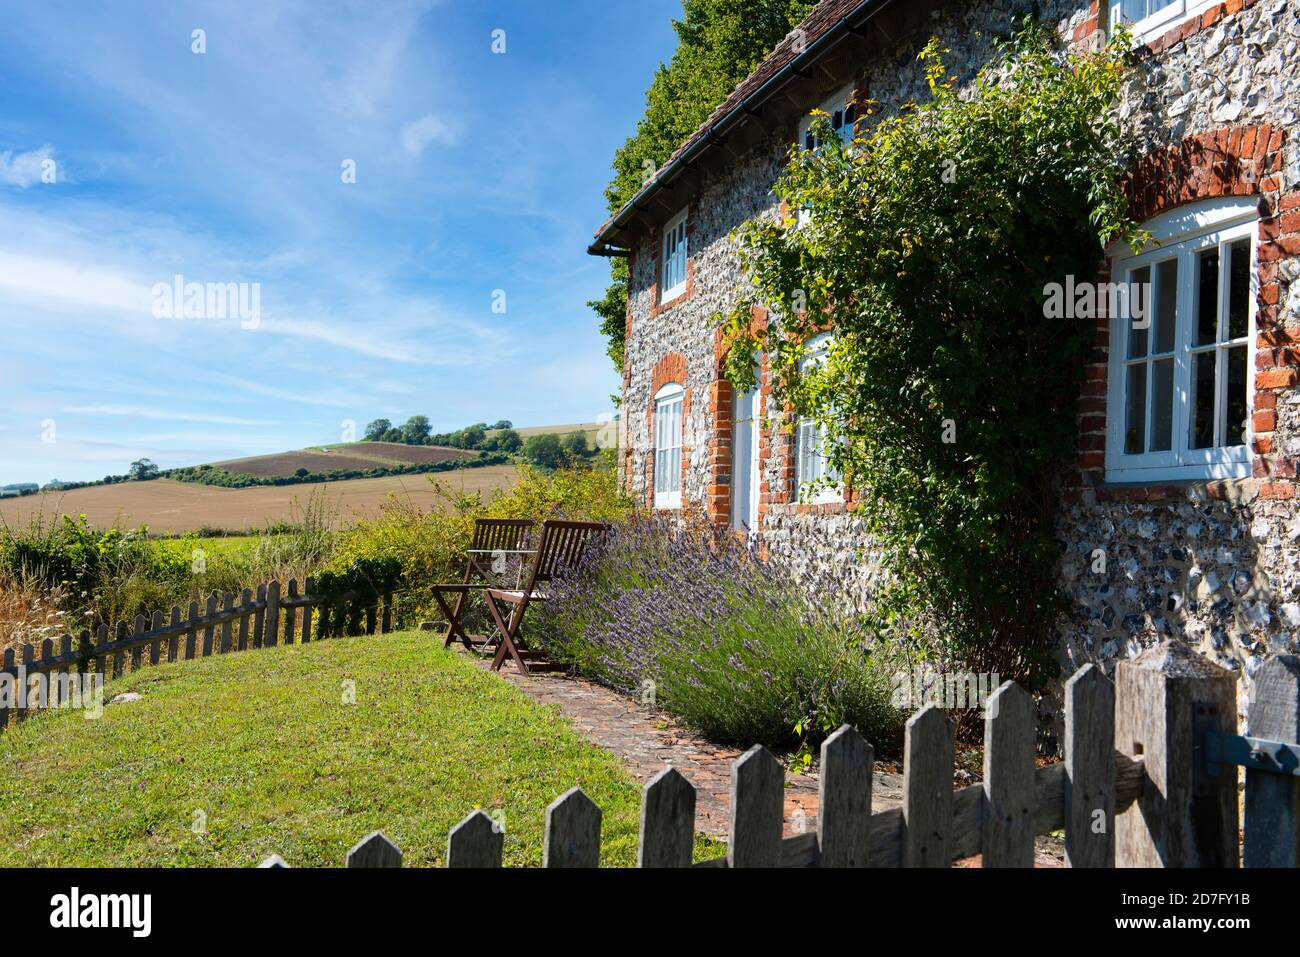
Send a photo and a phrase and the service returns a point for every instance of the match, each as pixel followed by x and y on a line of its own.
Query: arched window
pixel 668 446
pixel 1181 370
pixel 817 479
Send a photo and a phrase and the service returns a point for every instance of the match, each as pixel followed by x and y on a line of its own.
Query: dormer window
pixel 672 278
pixel 843 113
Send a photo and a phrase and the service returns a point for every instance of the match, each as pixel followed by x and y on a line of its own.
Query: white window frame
pixel 1157 22
pixel 668 426
pixel 812 465
pixel 746 419
pixel 842 99
pixel 1182 234
pixel 673 266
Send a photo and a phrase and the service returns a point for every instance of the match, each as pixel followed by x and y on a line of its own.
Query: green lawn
pixel 262 743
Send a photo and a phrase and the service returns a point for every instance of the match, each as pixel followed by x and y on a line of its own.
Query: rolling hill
pixel 171 507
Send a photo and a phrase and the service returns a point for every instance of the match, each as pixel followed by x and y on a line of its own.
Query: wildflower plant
pixel 730 644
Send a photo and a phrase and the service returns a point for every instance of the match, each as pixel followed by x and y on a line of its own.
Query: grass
pixel 262 745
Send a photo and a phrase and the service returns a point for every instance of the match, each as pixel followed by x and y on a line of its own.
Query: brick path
pixel 647 740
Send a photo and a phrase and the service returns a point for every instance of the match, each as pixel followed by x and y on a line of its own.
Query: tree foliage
pixel 948 395
pixel 719 42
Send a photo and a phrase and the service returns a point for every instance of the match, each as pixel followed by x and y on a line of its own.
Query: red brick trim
pixel 1165 493
pixel 1091 24
pixel 1203 21
pixel 1093 28
pixel 721 409
pixel 1237 161
pixel 670 368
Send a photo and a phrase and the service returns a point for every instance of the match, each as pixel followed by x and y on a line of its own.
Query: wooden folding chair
pixel 561 544
pixel 492 537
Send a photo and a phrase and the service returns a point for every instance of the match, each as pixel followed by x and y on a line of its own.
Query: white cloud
pixel 24 169
pixel 70 280
pixel 417 135
pixel 145 413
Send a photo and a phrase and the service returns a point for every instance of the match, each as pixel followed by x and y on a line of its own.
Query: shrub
pixel 927 244
pixel 98 576
pixel 544 451
pixel 577 494
pixel 727 643
pixel 429 545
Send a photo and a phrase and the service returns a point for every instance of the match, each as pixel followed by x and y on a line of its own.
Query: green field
pixel 261 748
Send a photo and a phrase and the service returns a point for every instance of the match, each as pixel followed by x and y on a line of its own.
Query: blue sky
pixel 475 172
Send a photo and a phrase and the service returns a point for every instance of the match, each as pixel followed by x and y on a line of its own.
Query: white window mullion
pixel 1183 337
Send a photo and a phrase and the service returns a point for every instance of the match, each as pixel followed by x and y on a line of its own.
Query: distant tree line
pixel 476 438
pixel 496 444
pixel 545 451
pixel 214 475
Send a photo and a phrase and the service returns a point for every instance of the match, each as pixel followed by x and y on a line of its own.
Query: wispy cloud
pixel 417 135
pixel 24 169
pixel 225 167
pixel 149 413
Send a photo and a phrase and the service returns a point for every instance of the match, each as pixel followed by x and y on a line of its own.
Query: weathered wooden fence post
pixel 927 789
pixel 1165 701
pixel 475 842
pixel 1089 769
pixel 844 800
pixel 1272 819
pixel 271 635
pixel 667 821
pixel 1008 831
pixel 10 667
pixel 757 809
pixel 374 850
pixel 572 837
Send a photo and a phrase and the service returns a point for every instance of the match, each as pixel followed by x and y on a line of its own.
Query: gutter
pixel 849 24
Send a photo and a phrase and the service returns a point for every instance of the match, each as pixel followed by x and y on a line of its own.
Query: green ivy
pixel 948 395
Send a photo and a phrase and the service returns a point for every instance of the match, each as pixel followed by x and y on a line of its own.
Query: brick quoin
pixel 1234 161
pixel 1092 28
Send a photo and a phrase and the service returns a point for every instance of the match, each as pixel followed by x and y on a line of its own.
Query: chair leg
pixel 454 630
pixel 508 631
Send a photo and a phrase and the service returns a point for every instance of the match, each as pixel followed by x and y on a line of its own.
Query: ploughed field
pixel 355 455
pixel 176 507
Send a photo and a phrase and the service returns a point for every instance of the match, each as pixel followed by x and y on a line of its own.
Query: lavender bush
pixel 727 643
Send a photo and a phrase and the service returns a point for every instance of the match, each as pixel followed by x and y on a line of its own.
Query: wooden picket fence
pixel 253 619
pixel 1148 779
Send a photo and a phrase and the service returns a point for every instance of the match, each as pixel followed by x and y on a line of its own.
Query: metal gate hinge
pixel 1257 754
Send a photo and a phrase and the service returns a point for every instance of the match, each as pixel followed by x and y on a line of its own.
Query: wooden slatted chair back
pixel 562 544
pixel 507 534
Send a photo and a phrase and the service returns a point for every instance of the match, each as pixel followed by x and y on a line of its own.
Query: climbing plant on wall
pixel 948 395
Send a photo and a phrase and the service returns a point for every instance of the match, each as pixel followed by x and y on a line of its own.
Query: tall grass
pixel 64 574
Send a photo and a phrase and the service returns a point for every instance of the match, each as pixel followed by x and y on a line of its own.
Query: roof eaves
pixel 708 136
